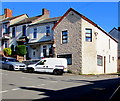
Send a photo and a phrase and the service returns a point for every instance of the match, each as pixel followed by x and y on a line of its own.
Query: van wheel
pixel 58 72
pixel 11 68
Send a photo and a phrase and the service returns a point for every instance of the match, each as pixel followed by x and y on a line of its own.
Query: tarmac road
pixel 19 86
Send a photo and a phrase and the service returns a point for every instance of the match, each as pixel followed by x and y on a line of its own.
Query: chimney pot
pixel 45 12
pixel 7 12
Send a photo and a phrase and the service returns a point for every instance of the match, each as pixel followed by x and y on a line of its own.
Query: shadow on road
pixel 97 91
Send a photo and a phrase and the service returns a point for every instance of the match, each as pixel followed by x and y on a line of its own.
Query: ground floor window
pixel 68 57
pixel 99 60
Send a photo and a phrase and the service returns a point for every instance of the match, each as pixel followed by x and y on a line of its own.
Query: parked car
pixel 50 65
pixel 12 64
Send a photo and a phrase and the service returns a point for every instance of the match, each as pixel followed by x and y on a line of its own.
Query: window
pixel 68 57
pixel 35 33
pixel 50 50
pixel 5 44
pixel 109 58
pixel 88 35
pixel 42 62
pixel 99 60
pixel 33 53
pixel 24 30
pixel 5 28
pixel 47 30
pixel 44 51
pixel 64 37
pixel 13 32
pixel 109 43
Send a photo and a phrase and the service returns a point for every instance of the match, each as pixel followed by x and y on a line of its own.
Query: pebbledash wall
pixel 84 54
pixel 71 23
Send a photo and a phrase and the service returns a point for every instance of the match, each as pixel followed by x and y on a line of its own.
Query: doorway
pixel 104 64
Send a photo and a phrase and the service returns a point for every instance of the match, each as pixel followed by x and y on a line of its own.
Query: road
pixel 20 86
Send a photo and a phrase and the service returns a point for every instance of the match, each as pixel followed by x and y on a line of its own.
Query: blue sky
pixel 105 14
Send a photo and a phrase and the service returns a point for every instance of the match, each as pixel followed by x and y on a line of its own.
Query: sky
pixel 104 14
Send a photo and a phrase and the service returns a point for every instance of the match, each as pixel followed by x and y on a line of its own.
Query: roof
pixel 113 29
pixel 27 20
pixel 85 18
pixel 11 18
pixel 47 20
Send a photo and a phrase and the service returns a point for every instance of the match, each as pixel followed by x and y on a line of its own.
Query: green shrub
pixel 21 50
pixel 7 51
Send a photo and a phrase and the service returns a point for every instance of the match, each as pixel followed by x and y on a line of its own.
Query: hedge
pixel 21 50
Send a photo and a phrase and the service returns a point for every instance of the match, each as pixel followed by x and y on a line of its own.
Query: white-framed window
pixel 13 32
pixel 109 43
pixel 47 30
pixel 99 60
pixel 5 28
pixel 88 35
pixel 67 56
pixel 33 52
pixel 64 37
pixel 34 33
pixel 24 30
pixel 5 44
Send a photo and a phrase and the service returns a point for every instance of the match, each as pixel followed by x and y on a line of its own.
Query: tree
pixel 7 51
pixel 21 50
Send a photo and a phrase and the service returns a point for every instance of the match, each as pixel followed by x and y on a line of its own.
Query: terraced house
pixel 86 46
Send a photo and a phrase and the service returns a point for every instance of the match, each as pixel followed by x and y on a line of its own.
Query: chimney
pixel 45 12
pixel 7 12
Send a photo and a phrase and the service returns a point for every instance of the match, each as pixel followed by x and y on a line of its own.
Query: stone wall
pixel 71 23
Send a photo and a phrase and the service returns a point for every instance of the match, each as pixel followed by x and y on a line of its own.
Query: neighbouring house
pixel 86 46
pixel 23 30
pixel 6 38
pixel 116 34
pixel 41 38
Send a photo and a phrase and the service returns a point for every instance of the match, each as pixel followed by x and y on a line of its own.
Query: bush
pixel 7 51
pixel 21 50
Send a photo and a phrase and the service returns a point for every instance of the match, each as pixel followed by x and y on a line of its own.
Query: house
pixel 86 46
pixel 25 31
pixel 41 38
pixel 116 34
pixel 6 38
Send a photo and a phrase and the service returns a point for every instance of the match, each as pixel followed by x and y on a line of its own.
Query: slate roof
pixel 27 20
pixel 47 20
pixel 11 18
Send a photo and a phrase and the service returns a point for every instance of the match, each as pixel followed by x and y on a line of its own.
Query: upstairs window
pixel 88 35
pixel 64 37
pixel 47 30
pixel 5 28
pixel 24 30
pixel 35 33
pixel 13 32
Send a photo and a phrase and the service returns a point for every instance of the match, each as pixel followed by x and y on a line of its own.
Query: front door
pixel 104 64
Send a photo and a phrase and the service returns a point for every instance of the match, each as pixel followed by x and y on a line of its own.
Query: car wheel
pixel 11 68
pixel 58 72
pixel 30 70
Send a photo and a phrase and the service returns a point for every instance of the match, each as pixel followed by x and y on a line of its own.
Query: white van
pixel 56 66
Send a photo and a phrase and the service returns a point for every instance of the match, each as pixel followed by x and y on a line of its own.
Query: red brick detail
pixel 7 12
pixel 45 11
